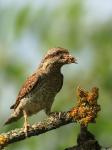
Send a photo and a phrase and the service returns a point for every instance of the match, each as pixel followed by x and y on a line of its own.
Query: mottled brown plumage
pixel 40 89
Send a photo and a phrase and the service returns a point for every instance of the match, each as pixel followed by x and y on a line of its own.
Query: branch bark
pixel 55 120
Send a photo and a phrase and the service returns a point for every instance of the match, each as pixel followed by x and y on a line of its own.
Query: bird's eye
pixel 57 53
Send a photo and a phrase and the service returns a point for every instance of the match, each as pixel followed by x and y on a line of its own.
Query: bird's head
pixel 58 57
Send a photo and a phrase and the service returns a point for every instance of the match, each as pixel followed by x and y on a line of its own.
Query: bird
pixel 39 90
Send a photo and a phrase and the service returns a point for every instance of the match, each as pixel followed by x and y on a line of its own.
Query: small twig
pixel 54 121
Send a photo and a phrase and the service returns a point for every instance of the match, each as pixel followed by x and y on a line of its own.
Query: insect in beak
pixel 70 59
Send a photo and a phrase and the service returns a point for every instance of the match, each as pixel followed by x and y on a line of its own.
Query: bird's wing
pixel 30 83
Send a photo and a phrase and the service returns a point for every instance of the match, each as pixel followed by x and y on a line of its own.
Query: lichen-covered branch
pixel 55 120
pixel 87 107
pixel 84 112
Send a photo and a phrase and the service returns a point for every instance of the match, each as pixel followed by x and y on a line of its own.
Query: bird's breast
pixel 48 87
pixel 42 95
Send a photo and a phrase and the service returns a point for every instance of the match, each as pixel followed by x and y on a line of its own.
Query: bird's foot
pixel 26 128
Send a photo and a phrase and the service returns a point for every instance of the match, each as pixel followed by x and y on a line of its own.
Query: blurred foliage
pixel 57 25
pixel 22 20
pixel 101 40
pixel 60 20
pixel 102 37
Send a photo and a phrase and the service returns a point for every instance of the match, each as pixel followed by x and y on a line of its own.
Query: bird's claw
pixel 26 128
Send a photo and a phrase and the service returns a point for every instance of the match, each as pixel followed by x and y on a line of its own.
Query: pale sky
pixel 96 8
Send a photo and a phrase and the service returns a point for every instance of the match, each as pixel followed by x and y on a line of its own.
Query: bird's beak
pixel 70 59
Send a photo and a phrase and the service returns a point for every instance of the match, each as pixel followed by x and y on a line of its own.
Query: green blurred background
pixel 27 30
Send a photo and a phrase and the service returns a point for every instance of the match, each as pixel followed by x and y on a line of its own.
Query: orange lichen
pixel 3 140
pixel 87 108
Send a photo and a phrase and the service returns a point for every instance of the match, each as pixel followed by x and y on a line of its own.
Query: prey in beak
pixel 70 59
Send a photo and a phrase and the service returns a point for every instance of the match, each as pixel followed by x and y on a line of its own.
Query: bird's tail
pixel 13 118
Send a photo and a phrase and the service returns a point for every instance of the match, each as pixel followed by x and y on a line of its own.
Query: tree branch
pixel 84 112
pixel 55 120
